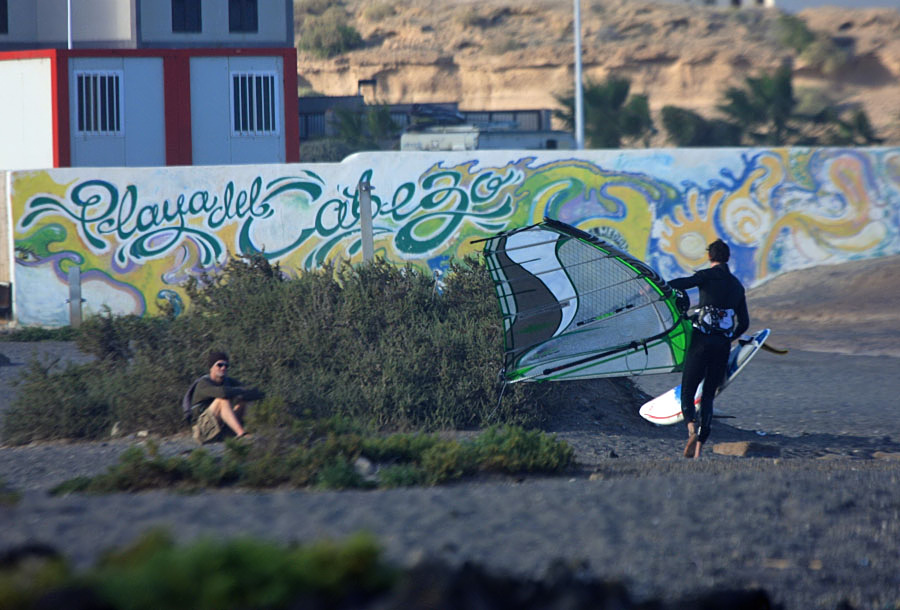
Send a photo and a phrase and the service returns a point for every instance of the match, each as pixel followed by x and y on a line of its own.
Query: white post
pixel 69 21
pixel 74 299
pixel 579 92
pixel 365 221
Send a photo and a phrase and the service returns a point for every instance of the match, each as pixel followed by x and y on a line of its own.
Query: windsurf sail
pixel 576 307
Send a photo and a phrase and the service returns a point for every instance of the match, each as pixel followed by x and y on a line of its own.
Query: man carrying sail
pixel 722 318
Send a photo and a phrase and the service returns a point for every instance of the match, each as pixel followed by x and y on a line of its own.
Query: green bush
pixel 312 7
pixel 378 11
pixel 687 128
pixel 155 573
pixel 59 404
pixel 401 475
pixel 36 333
pixel 793 32
pixel 242 573
pixel 825 56
pixel 328 34
pixel 377 344
pixel 323 454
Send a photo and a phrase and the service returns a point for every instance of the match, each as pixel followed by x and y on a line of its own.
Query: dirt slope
pixel 503 54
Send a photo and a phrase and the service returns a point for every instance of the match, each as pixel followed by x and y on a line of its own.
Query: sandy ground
pixel 815 526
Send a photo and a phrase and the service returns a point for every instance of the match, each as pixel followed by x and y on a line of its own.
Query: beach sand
pixel 815 523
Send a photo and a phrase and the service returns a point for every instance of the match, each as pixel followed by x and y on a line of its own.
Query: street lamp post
pixel 579 92
pixel 69 22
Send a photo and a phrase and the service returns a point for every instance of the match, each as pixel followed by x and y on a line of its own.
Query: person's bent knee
pixel 218 404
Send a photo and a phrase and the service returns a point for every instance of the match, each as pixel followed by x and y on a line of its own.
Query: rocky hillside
pixel 506 54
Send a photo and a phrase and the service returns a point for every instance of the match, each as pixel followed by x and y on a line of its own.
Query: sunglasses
pixel 222 365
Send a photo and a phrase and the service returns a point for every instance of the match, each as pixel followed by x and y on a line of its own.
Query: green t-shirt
pixel 207 390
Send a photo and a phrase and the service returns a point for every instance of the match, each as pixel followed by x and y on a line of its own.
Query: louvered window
pixel 254 104
pixel 99 102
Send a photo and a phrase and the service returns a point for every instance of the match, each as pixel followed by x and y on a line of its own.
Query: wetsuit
pixel 707 356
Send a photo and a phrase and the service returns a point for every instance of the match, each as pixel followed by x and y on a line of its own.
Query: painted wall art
pixel 137 234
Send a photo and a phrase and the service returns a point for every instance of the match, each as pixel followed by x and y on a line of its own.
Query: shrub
pixel 62 404
pixel 377 344
pixel 312 7
pixel 377 11
pixel 687 128
pixel 793 32
pixel 340 474
pixel 401 475
pixel 513 449
pixel 154 572
pixel 328 34
pixel 323 454
pixel 241 573
pixel 825 56
pixel 36 333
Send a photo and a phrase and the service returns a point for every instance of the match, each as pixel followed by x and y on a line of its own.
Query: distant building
pixel 317 113
pixel 473 137
pixel 147 83
pixel 442 126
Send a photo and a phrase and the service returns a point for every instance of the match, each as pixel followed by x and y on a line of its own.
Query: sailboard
pixel 665 409
pixel 575 306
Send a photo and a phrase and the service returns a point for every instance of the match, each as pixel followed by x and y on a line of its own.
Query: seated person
pixel 217 399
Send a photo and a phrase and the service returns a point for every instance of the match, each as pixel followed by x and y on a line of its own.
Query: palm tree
pixel 610 115
pixel 764 107
pixel 687 128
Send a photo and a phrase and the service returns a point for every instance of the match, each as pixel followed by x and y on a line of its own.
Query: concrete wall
pixel 138 234
pixel 26 107
pixel 5 234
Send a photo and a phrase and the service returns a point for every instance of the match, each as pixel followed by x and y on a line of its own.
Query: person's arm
pixel 683 283
pixel 245 394
pixel 231 389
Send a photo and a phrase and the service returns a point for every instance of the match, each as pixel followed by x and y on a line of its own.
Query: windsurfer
pixel 722 318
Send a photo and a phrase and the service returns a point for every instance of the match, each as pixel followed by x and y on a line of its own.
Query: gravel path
pixel 816 526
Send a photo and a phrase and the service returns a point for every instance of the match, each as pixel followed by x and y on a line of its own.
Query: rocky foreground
pixel 796 496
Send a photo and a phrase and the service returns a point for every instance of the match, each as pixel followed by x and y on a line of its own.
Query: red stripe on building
pixel 59 92
pixel 177 100
pixel 291 109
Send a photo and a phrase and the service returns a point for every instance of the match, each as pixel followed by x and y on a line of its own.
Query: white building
pixel 147 83
pixel 471 137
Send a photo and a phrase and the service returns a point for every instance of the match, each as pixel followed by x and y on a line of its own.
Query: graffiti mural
pixel 138 234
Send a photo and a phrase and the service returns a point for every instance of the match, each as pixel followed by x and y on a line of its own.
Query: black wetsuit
pixel 707 356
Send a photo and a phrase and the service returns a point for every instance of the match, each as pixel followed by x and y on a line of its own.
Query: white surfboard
pixel 665 409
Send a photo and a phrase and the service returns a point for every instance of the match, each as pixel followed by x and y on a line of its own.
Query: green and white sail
pixel 577 307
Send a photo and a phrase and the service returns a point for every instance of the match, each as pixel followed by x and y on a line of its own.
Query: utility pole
pixel 579 91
